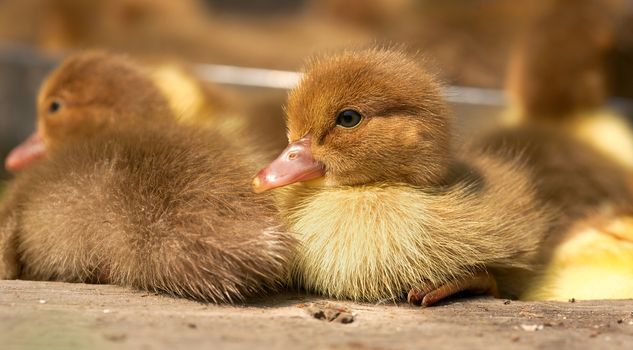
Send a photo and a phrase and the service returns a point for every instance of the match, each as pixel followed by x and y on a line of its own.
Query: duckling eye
pixel 54 106
pixel 348 118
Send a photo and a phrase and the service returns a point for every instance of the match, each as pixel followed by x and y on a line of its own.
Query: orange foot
pixel 480 283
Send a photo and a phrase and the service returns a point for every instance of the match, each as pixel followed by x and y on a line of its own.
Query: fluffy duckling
pixel 581 157
pixel 128 196
pixel 383 204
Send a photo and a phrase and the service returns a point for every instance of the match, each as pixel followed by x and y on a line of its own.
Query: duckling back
pixel 165 207
pixel 567 172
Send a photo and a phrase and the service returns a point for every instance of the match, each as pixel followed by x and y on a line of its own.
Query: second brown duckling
pixel 135 198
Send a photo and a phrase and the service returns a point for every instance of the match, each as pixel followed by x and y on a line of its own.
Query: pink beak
pixel 26 153
pixel 294 164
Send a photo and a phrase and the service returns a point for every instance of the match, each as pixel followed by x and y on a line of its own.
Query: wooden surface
pixel 52 315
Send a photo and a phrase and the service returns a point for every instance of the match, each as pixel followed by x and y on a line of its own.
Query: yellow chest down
pixel 367 243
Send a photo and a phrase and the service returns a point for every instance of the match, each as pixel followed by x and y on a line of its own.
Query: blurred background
pixel 471 44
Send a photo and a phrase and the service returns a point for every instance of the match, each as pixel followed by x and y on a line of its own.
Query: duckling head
pixel 558 67
pixel 88 92
pixel 362 117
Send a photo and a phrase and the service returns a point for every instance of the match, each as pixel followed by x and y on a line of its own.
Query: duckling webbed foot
pixel 480 283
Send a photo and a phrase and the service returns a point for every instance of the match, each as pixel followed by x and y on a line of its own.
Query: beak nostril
pixel 294 164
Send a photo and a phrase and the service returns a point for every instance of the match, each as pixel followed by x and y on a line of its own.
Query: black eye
pixel 54 106
pixel 348 118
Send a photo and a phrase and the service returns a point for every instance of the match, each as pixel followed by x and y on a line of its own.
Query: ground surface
pixel 53 315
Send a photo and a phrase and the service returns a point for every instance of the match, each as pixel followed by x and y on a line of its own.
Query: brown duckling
pixel 128 196
pixel 557 83
pixel 580 155
pixel 384 205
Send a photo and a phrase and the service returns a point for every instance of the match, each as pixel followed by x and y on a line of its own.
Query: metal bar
pixel 281 79
pixel 255 77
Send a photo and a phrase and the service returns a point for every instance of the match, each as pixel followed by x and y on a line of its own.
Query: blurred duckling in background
pixel 202 104
pixel 383 205
pixel 187 29
pixel 580 153
pixel 593 261
pixel 128 196
pixel 58 25
pixel 252 119
pixel 557 76
pixel 193 101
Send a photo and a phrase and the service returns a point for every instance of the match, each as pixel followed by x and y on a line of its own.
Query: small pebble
pixel 42 301
pixel 115 337
pixel 531 327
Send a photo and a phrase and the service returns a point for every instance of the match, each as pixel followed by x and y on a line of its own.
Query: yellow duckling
pixel 195 102
pixel 241 117
pixel 594 262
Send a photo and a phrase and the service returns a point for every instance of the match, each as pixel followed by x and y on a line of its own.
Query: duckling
pixel 381 202
pixel 588 254
pixel 192 101
pixel 127 195
pixel 580 157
